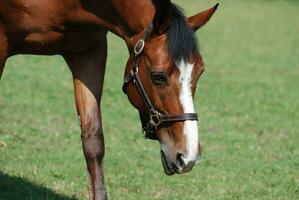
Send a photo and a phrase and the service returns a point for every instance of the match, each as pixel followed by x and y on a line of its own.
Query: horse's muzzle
pixel 179 166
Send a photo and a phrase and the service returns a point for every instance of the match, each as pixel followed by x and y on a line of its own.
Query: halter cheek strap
pixel 156 118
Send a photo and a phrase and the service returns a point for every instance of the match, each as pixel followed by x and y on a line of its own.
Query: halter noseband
pixel 156 118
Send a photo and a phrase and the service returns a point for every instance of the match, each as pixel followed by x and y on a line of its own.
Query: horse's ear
pixel 162 17
pixel 200 19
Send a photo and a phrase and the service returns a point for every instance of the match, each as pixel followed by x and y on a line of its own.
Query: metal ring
pixel 134 71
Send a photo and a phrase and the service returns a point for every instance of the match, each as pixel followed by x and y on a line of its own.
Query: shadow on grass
pixel 15 188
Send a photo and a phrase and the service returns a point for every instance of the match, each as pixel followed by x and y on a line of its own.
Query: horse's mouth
pixel 168 171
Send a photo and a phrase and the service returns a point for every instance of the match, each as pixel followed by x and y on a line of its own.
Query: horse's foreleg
pixel 88 72
pixel 3 49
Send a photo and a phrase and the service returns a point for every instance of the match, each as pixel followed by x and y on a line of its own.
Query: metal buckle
pixel 155 119
pixel 139 47
pixel 151 126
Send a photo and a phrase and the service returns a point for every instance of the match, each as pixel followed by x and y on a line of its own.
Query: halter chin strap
pixel 156 118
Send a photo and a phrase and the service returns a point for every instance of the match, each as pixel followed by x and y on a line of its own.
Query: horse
pixel 160 78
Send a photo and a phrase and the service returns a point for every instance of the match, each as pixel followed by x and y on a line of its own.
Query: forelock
pixel 180 37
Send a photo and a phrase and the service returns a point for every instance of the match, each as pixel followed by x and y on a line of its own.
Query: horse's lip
pixel 167 169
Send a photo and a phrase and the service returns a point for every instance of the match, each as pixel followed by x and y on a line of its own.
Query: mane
pixel 181 40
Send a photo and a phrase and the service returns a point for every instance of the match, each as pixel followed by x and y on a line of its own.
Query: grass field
pixel 248 102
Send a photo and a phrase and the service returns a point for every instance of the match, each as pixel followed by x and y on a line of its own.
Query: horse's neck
pixel 125 18
pixel 135 15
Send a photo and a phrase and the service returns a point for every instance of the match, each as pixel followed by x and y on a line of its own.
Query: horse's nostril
pixel 180 159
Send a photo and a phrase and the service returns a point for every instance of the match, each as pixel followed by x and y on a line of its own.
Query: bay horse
pixel 160 75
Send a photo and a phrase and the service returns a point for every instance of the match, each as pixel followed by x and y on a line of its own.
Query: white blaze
pixel 186 100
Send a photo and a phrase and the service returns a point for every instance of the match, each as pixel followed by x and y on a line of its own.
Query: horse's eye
pixel 159 78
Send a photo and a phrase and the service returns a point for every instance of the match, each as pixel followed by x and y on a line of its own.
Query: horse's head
pixel 161 77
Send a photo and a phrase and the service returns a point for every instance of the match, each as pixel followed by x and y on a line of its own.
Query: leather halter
pixel 156 118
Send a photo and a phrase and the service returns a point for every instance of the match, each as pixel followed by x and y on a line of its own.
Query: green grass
pixel 247 101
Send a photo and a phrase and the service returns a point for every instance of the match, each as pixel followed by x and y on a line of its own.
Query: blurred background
pixel 247 101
